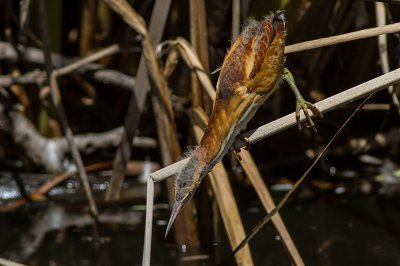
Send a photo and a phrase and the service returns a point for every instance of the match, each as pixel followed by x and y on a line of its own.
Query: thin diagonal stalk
pixel 268 217
pixel 56 96
pixel 138 98
pixel 263 193
pixel 162 106
pixel 110 50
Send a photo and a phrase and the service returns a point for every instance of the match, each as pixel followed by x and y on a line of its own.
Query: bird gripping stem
pixel 301 104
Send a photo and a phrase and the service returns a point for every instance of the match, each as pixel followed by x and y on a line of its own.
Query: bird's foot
pixel 303 105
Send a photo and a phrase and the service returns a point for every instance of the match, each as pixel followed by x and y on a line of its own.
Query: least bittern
pixel 252 69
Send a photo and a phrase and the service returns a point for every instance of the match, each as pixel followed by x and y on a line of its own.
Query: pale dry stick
pixel 112 49
pixel 169 145
pixel 136 22
pixel 195 41
pixel 171 61
pixel 56 97
pixel 180 47
pixel 137 101
pixel 41 149
pixel 199 42
pixel 39 76
pixel 191 59
pixel 223 194
pixel 88 20
pixel 24 13
pixel 355 35
pixel 201 46
pixel 235 19
pixel 148 223
pixel 203 34
pixel 380 14
pixel 34 55
pixel 5 262
pixel 263 193
pixel 289 120
pixel 386 1
pixel 34 77
pixel 55 91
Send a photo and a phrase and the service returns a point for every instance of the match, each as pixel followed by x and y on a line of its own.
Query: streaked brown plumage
pixel 251 71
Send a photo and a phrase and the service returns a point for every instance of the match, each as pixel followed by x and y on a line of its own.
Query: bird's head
pixel 186 184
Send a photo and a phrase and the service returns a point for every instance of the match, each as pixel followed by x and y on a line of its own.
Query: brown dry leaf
pixel 223 194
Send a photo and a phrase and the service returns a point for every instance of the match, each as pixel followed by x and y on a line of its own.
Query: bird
pixel 251 71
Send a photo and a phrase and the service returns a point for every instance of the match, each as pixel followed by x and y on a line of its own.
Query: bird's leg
pixel 301 104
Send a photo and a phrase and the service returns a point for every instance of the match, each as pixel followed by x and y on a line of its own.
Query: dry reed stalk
pixel 110 50
pixel 171 61
pixel 235 19
pixel 355 35
pixel 136 22
pixel 88 22
pixel 263 193
pixel 24 14
pixel 191 59
pixel 223 194
pixel 199 42
pixel 5 262
pixel 138 98
pixel 148 223
pixel 56 97
pixel 282 202
pixel 196 97
pixel 169 147
pixel 380 14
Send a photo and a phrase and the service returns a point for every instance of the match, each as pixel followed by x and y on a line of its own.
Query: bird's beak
pixel 178 205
